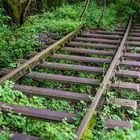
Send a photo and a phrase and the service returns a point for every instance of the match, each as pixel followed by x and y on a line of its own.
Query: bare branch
pixel 85 8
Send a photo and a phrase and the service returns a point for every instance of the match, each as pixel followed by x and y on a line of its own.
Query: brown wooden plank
pixel 106 36
pixel 72 67
pixel 130 63
pixel 51 93
pixel 82 68
pixel 134 38
pixel 135 29
pixel 88 51
pixel 126 103
pixel 37 113
pixel 111 124
pixel 136 26
pixel 126 85
pixel 95 40
pixel 121 85
pixel 135 56
pixel 63 79
pixel 133 34
pixel 81 58
pixel 120 29
pixel 134 43
pixel 128 73
pixel 81 81
pixel 111 33
pixel 130 48
pixel 4 71
pixel 92 45
pixel 17 136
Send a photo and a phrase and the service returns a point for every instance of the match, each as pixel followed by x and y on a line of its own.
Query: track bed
pixel 77 72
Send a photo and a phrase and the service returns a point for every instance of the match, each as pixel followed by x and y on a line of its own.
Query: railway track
pixel 108 54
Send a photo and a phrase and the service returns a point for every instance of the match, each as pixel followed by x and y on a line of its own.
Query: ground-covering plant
pixel 116 112
pixel 53 131
pixel 17 42
pixel 5 134
pixel 52 104
pixel 15 97
pixel 43 129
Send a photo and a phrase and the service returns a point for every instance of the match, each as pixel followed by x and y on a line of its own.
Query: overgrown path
pixel 89 62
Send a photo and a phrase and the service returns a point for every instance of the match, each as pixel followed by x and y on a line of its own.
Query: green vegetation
pixel 5 134
pixel 59 131
pixel 18 42
pixel 26 125
pixel 116 112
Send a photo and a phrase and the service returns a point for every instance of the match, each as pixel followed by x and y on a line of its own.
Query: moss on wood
pixel 88 131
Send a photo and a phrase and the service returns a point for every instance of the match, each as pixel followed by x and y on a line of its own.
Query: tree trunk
pixel 23 14
pixel 18 9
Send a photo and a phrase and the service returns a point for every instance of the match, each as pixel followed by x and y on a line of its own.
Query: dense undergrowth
pixel 17 42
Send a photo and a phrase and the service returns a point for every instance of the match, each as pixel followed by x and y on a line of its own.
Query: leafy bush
pixel 67 12
pixel 5 34
pixel 5 134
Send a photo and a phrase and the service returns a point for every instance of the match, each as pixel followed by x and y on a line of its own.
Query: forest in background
pixel 19 9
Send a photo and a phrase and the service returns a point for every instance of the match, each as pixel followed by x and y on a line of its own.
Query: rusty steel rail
pixel 104 86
